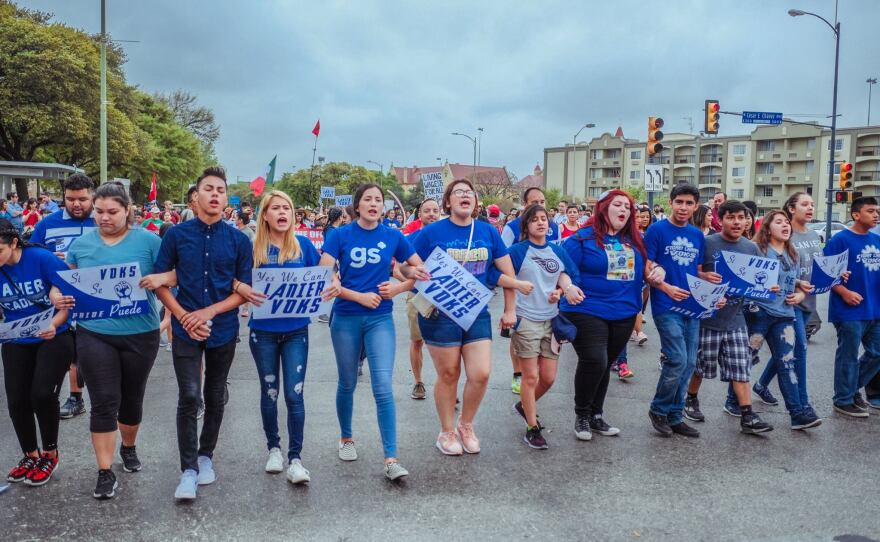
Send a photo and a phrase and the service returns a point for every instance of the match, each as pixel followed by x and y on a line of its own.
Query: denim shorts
pixel 440 330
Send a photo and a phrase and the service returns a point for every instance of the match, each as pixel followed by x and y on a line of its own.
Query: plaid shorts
pixel 730 349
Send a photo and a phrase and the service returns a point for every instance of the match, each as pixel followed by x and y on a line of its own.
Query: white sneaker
pixel 275 463
pixel 347 451
pixel 393 471
pixel 296 473
pixel 641 338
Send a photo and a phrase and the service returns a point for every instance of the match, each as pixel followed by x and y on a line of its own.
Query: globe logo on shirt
pixel 870 257
pixel 682 251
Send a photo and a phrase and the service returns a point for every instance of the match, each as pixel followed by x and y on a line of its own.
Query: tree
pixel 552 197
pixel 197 119
pixel 303 186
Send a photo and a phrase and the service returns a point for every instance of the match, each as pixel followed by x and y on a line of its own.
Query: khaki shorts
pixel 412 316
pixel 532 339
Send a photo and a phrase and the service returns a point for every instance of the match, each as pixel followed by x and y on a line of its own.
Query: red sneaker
pixel 43 470
pixel 20 471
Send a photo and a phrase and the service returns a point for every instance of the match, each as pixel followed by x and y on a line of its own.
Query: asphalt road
pixel 787 485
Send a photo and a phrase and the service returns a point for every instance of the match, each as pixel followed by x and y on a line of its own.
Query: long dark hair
pixel 599 222
pixel 8 234
pixel 527 216
pixel 762 239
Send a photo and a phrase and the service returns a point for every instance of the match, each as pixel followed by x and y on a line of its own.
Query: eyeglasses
pixel 463 193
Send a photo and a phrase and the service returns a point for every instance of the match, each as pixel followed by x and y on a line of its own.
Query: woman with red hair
pixel 612 262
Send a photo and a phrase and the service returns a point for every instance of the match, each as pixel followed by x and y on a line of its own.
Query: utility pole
pixel 103 135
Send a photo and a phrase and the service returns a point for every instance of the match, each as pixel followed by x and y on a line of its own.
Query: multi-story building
pixel 765 166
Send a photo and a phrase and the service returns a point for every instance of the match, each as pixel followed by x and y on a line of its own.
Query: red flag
pixel 257 185
pixel 153 188
pixel 317 129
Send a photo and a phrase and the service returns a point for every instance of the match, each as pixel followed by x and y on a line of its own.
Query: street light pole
pixel 474 141
pixel 479 146
pixel 103 136
pixel 381 170
pixel 871 82
pixel 574 156
pixel 833 144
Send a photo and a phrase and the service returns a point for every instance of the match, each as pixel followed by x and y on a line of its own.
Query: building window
pixel 836 168
pixel 614 172
pixel 596 154
pixel 810 166
pixel 838 144
pixel 595 191
pixel 811 144
pixel 738 172
pixel 765 168
pixel 738 193
pixel 766 146
pixel 635 155
pixel 739 150
pixel 768 191
pixel 595 173
pixel 634 174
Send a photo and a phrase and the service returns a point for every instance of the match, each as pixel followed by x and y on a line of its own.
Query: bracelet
pixel 235 288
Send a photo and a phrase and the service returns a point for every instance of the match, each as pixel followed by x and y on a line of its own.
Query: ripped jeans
pixel 282 355
pixel 779 333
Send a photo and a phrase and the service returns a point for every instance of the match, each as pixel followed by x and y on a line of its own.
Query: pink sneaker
pixel 448 443
pixel 469 440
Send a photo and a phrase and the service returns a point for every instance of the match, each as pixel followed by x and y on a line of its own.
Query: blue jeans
pixel 780 336
pixel 376 334
pixel 851 372
pixel 679 336
pixel 800 357
pixel 274 354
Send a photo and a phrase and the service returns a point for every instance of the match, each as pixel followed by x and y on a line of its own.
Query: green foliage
pixel 552 197
pixel 304 185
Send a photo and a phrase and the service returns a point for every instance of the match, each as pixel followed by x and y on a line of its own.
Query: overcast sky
pixel 391 80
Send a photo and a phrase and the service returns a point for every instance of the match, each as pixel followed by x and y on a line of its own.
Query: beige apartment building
pixel 765 166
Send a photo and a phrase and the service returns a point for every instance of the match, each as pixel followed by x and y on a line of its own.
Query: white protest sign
pixel 748 276
pixel 30 326
pixel 328 192
pixel 433 185
pixel 828 271
pixel 453 290
pixel 703 299
pixel 105 291
pixel 291 293
pixel 389 204
pixel 343 200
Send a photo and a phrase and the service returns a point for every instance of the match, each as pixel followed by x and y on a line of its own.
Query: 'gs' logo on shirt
pixel 870 257
pixel 682 251
pixel 360 256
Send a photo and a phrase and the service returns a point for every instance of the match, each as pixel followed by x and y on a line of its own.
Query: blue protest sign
pixel 704 296
pixel 453 290
pixel 235 200
pixel 827 271
pixel 343 200
pixel 106 291
pixel 328 192
pixel 30 326
pixel 292 292
pixel 748 276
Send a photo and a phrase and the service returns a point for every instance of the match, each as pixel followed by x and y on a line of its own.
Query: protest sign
pixel 433 185
pixel 704 296
pixel 328 192
pixel 291 293
pixel 315 236
pixel 106 291
pixel 453 290
pixel 827 271
pixel 30 326
pixel 748 276
pixel 343 200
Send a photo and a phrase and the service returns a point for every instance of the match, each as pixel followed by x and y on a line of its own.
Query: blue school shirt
pixel 864 268
pixel 58 230
pixel 678 250
pixel 611 276
pixel 391 223
pixel 486 246
pixel 364 258
pixel 207 259
pixel 308 257
pixel 138 246
pixel 541 265
pixel 511 233
pixel 34 274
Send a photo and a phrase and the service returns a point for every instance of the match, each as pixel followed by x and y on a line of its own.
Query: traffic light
pixel 846 175
pixel 655 136
pixel 713 114
pixel 846 196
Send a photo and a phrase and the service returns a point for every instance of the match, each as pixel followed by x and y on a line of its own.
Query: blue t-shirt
pixel 789 272
pixel 486 246
pixel 34 275
pixel 364 258
pixel 678 250
pixel 864 268
pixel 58 230
pixel 138 246
pixel 511 233
pixel 611 276
pixel 391 223
pixel 308 257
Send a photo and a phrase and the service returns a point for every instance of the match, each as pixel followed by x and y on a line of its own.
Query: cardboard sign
pixel 106 291
pixel 292 293
pixel 748 276
pixel 328 192
pixel 827 271
pixel 30 326
pixel 701 303
pixel 433 185
pixel 453 290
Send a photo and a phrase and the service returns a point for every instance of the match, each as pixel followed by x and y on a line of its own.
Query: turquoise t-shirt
pixel 139 246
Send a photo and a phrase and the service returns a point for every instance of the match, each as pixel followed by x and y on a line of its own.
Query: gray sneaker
pixel 393 471
pixel 206 471
pixel 347 451
pixel 72 407
pixel 418 391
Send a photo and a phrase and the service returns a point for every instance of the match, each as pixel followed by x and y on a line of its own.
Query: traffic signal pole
pixel 833 145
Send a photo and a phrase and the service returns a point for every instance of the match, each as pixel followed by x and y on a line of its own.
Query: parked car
pixel 819 227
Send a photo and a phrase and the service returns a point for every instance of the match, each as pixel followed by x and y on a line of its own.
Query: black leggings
pixel 597 345
pixel 115 369
pixel 33 374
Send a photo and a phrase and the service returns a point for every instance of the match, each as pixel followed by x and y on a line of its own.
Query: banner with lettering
pixel 704 296
pixel 343 200
pixel 292 292
pixel 827 271
pixel 23 328
pixel 328 192
pixel 747 276
pixel 453 290
pixel 106 291
pixel 432 184
pixel 316 236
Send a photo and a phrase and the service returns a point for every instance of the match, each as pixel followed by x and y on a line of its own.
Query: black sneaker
pixel 130 461
pixel 752 424
pixel 534 439
pixel 598 425
pixel 582 428
pixel 851 410
pixel 859 402
pixel 660 423
pixel 518 408
pixel 692 409
pixel 72 407
pixel 684 430
pixel 805 420
pixel 106 486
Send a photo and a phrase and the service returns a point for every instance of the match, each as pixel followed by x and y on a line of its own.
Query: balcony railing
pixel 710 158
pixel 685 159
pixel 710 179
pixel 868 151
pixel 684 179
pixel 867 176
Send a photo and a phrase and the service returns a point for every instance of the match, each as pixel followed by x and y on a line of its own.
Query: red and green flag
pixel 268 177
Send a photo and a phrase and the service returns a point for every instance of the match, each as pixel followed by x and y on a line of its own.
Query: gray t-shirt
pixel 807 245
pixel 731 316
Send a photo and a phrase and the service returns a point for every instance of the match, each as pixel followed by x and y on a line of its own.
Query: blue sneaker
pixel 206 471
pixel 186 489
pixel 764 394
pixel 874 402
pixel 733 409
pixel 805 420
